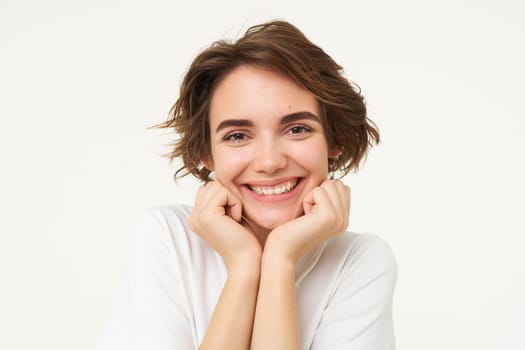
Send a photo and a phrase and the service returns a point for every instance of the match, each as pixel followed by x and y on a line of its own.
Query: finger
pixel 230 202
pixel 338 194
pixel 346 204
pixel 315 199
pixel 344 195
pixel 340 191
pixel 214 195
pixel 233 206
pixel 309 201
pixel 207 192
pixel 334 190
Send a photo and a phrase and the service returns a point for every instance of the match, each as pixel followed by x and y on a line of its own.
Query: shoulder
pixel 165 215
pixel 362 248
pixel 165 219
pixel 364 257
pixel 162 220
pixel 369 248
pixel 165 227
pixel 358 274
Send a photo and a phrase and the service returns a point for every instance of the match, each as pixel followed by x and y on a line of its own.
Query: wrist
pixel 247 268
pixel 276 256
pixel 278 248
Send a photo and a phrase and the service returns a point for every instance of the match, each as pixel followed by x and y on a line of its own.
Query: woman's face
pixel 268 145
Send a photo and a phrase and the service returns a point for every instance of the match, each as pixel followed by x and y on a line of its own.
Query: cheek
pixel 229 165
pixel 312 156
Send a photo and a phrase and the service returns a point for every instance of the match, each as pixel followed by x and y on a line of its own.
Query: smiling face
pixel 267 143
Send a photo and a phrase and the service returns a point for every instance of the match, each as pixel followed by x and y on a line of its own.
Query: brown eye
pixel 299 129
pixel 235 137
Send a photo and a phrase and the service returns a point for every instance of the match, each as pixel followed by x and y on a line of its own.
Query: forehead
pixel 256 93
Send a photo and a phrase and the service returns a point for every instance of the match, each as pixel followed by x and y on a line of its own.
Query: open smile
pixel 274 191
pixel 266 190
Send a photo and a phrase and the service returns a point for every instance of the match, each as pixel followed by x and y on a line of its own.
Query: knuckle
pixel 327 183
pixel 318 190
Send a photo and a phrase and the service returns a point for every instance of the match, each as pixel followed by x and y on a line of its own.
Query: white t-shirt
pixel 174 279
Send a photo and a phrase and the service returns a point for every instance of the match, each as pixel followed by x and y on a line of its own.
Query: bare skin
pixel 257 308
pixel 271 203
pixel 216 218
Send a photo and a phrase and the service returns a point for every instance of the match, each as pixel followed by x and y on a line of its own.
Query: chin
pixel 273 220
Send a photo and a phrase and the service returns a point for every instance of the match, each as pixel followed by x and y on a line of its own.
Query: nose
pixel 270 156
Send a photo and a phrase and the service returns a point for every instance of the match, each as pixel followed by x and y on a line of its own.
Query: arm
pixel 276 324
pixel 216 218
pixel 152 311
pixel 231 324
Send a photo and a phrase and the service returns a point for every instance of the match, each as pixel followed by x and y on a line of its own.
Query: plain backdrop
pixel 80 82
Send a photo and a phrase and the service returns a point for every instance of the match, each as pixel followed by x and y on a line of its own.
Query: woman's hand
pixel 326 211
pixel 216 217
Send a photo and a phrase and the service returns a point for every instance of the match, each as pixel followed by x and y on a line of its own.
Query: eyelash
pixel 304 129
pixel 238 136
pixel 234 137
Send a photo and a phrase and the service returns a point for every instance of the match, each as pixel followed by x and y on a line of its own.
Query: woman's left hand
pixel 326 214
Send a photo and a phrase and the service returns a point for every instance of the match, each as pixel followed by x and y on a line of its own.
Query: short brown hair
pixel 279 46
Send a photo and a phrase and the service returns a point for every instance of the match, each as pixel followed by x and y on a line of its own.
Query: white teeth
pixel 267 190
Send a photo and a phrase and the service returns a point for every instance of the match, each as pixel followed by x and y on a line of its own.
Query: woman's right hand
pixel 216 217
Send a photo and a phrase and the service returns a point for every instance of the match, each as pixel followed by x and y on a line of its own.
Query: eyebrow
pixel 289 118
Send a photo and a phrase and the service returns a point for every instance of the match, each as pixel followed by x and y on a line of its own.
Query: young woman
pixel 262 260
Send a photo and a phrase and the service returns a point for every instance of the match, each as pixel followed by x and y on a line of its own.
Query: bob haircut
pixel 278 46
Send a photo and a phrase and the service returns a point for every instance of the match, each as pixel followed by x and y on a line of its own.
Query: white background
pixel 80 81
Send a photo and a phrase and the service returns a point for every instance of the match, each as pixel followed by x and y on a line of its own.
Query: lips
pixel 271 190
